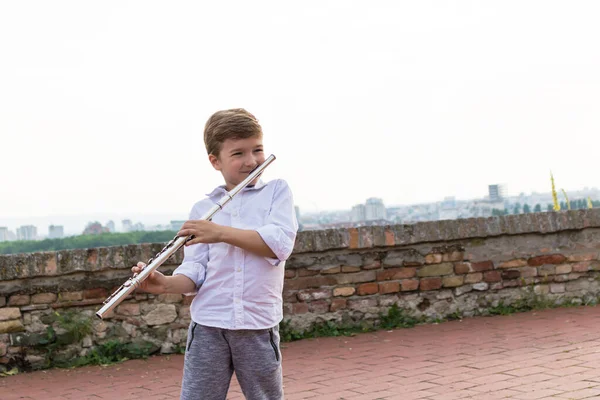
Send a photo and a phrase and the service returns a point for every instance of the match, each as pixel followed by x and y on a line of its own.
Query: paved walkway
pixel 551 354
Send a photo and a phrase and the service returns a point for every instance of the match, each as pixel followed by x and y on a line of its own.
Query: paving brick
pixel 535 355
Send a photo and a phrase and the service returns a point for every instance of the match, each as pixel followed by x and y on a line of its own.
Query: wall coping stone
pixel 67 262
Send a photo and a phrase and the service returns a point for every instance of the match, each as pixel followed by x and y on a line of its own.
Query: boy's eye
pixel 237 154
pixel 258 150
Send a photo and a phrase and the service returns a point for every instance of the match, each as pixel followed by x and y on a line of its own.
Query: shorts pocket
pixel 191 335
pixel 274 345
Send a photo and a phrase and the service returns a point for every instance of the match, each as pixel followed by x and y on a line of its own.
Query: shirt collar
pixel 221 188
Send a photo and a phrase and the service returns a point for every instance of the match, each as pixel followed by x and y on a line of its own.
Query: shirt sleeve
pixel 194 262
pixel 279 232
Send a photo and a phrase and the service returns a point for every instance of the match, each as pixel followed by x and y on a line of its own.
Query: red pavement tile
pixel 551 354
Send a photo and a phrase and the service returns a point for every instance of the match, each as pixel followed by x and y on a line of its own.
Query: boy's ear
pixel 214 160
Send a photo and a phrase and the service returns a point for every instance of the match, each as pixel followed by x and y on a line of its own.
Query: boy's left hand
pixel 203 231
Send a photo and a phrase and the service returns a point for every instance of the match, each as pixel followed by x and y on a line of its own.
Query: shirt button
pixel 239 270
pixel 237 300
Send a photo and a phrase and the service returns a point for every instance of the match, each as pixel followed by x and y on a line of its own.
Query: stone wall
pixel 431 270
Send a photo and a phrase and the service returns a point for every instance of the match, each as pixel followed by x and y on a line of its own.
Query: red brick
pixel 519 262
pixel 92 256
pixel 389 287
pixel 51 268
pixel 527 272
pixel 409 284
pixel 462 268
pixel 337 304
pixel 95 293
pixel 350 268
pixel 307 272
pixel 310 282
pixel 396 273
pixel 332 269
pixel 290 273
pixel 492 276
pixel 547 259
pixel 510 274
pixel 582 257
pixel 19 300
pixel 344 291
pixel 430 283
pixel 582 266
pixel 367 288
pixel 482 266
pixel 353 238
pixel 300 308
pixel 389 237
pixel 563 269
pixel 43 298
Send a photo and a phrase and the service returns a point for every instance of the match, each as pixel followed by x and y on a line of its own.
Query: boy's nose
pixel 250 162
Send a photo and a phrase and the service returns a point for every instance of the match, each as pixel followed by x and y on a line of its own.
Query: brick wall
pixel 350 276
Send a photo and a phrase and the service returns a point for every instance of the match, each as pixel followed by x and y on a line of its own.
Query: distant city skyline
pixel 373 207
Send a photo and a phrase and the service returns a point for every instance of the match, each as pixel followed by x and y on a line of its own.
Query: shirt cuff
pixel 277 241
pixel 195 271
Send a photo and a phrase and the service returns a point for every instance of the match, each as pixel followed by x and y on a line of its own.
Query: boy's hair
pixel 235 123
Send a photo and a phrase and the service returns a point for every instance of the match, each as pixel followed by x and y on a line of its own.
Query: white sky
pixel 102 104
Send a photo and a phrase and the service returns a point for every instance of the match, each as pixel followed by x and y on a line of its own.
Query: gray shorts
pixel 213 354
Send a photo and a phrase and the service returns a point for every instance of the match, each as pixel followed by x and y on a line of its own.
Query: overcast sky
pixel 102 104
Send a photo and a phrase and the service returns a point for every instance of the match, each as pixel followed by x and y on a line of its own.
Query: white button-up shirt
pixel 237 289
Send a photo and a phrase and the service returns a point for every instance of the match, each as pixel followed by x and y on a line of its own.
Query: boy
pixel 235 264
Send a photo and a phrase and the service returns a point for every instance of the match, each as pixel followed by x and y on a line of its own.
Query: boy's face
pixel 238 157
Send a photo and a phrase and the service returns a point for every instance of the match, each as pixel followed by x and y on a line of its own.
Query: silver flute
pixel 175 244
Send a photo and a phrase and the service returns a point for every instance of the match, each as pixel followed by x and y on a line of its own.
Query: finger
pixel 185 232
pixel 141 264
pixel 193 241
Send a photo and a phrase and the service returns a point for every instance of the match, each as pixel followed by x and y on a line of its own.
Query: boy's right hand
pixel 155 283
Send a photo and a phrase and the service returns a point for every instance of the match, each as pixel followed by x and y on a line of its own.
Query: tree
pixel 526 209
pixel 497 213
pixel 537 208
pixel 517 209
pixel 86 241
